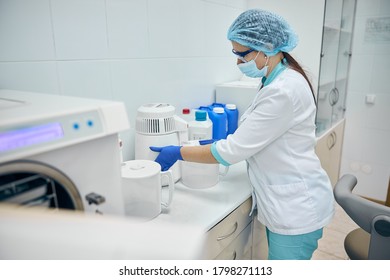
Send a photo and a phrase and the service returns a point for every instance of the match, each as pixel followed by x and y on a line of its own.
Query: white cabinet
pixel 329 148
pixel 237 237
pixel 240 248
pixel 241 93
pixel 333 81
pixel 335 60
pixel 221 236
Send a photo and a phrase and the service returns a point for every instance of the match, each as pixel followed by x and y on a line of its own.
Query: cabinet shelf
pixel 327 84
pixel 336 30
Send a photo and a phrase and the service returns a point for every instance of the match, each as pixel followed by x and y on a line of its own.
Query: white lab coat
pixel 276 137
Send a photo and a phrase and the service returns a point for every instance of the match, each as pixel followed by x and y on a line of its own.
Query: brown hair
pixel 293 64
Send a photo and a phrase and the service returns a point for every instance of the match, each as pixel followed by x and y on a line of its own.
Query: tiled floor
pixel 331 245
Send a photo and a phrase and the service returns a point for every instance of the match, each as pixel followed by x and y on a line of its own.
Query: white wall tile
pixel 220 2
pixel 363 43
pixel 377 115
pixel 25 30
pixel 376 145
pixel 380 74
pixel 371 184
pixel 29 76
pixel 89 79
pixel 353 141
pixel 135 84
pixel 240 4
pixel 176 28
pixel 127 25
pixel 217 22
pixel 80 29
pixel 365 125
pixel 384 7
pixel 367 7
pixel 360 73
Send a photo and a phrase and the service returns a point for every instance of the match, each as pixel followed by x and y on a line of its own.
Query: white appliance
pixel 61 152
pixel 241 93
pixel 31 234
pixel 157 125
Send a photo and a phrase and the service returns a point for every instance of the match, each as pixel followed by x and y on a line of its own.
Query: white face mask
pixel 250 68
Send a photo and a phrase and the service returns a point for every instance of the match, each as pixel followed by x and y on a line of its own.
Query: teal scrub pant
pixel 292 247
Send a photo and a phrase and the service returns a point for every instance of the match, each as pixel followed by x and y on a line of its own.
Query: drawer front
pixel 240 248
pixel 222 234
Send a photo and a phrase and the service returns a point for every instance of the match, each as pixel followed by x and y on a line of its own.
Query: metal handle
pixel 332 139
pixel 347 53
pixel 334 96
pixel 229 234
pixel 94 198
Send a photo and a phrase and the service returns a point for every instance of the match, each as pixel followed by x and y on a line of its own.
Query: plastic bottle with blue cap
pixel 232 118
pixel 219 118
pixel 201 127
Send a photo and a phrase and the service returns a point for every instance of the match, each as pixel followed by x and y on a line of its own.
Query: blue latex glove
pixel 168 156
pixel 207 141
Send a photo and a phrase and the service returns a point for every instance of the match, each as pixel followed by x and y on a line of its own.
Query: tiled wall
pixel 176 51
pixel 136 51
pixel 366 150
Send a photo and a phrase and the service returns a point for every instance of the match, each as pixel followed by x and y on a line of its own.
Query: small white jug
pixel 142 188
pixel 200 175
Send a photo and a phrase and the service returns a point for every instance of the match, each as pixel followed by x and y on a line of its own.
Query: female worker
pixel 276 137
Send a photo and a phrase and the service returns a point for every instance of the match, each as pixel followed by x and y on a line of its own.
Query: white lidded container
pixel 187 114
pixel 200 175
pixel 201 127
pixel 142 182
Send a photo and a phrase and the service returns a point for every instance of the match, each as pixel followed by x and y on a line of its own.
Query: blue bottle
pixel 232 118
pixel 219 118
pixel 215 104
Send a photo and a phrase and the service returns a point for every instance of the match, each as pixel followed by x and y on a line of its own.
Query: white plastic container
pixel 188 114
pixel 232 118
pixel 200 128
pixel 200 175
pixel 142 188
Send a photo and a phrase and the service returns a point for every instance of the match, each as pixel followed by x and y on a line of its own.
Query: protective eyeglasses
pixel 241 55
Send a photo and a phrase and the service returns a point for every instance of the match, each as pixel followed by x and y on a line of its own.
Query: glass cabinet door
pixel 344 55
pixel 335 56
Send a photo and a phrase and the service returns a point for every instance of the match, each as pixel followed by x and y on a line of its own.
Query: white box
pixel 240 93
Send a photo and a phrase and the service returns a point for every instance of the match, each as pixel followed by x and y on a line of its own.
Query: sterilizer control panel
pixel 50 133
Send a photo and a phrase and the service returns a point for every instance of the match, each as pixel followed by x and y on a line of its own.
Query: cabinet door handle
pixel 334 96
pixel 229 234
pixel 332 139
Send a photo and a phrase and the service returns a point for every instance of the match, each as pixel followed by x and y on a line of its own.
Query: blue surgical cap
pixel 263 31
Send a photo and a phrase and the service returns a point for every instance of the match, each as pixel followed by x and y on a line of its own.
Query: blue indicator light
pixel 76 126
pixel 90 123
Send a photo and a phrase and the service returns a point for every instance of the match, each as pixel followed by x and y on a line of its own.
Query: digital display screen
pixel 29 136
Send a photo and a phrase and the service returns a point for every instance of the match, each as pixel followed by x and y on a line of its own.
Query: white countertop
pixel 206 207
pixel 73 235
pixel 68 234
